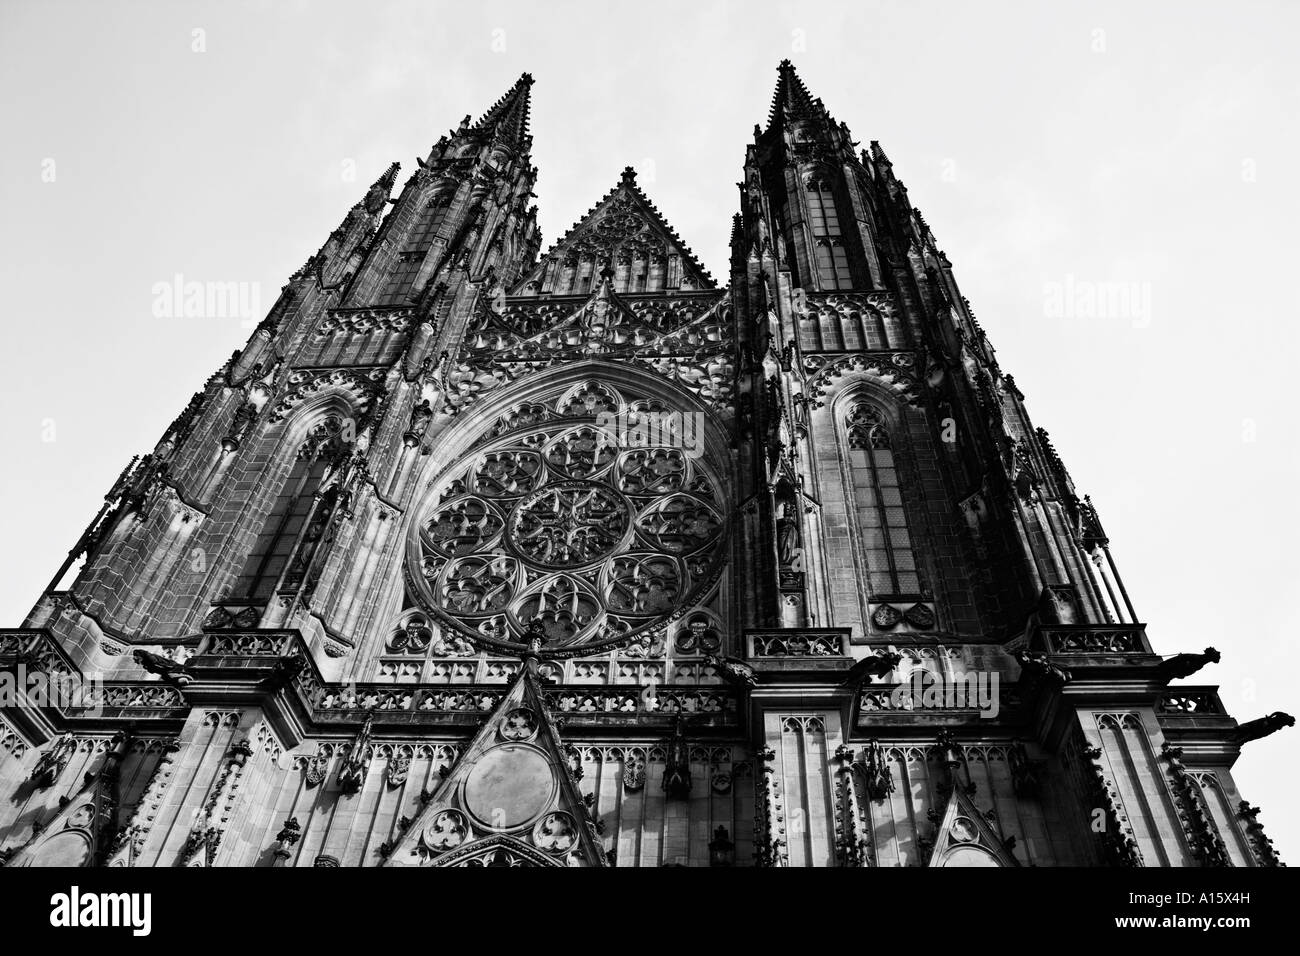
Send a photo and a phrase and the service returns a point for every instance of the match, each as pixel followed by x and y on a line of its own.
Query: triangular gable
pixel 966 838
pixel 82 832
pixel 510 800
pixel 623 228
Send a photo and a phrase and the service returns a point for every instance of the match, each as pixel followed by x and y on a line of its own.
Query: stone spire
pixel 792 99
pixel 507 119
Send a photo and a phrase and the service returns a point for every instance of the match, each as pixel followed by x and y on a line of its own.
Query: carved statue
pixel 677 769
pixel 398 769
pixel 243 421
pixel 1185 665
pixel 356 763
pixel 787 534
pixel 1024 772
pixel 50 766
pixel 421 416
pixel 950 752
pixel 879 778
pixel 286 839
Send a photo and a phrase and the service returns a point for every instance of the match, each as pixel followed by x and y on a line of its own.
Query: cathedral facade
pixel 481 553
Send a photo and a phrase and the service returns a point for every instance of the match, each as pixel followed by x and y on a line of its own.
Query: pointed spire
pixel 378 194
pixel 507 119
pixel 792 97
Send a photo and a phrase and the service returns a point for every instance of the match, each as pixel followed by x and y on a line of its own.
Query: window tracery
pixel 293 527
pixel 563 518
pixel 878 502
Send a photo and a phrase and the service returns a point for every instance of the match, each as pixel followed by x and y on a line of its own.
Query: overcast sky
pixel 1053 148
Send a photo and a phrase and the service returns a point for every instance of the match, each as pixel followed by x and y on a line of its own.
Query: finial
pixel 535 637
pixel 629 175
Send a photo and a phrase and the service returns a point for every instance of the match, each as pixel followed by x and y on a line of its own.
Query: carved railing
pixel 1190 702
pixel 1094 639
pixel 249 644
pixel 954 697
pixel 364 698
pixel 416 669
pixel 132 696
pixel 39 654
pixel 798 643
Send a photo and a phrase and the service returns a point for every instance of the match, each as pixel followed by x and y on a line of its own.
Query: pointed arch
pixel 879 515
pixel 590 497
pixel 315 443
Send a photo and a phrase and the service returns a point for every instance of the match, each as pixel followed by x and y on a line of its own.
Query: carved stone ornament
pixel 399 767
pixel 563 524
pixel 919 616
pixel 886 617
pixel 316 768
pixel 557 832
pixel 634 775
pixel 446 830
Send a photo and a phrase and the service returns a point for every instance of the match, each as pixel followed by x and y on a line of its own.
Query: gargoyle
pixel 169 670
pixel 874 665
pixel 1036 666
pixel 734 672
pixel 1185 665
pixel 1263 726
pixel 284 671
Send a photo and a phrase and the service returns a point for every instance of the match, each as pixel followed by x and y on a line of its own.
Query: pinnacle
pixel 507 119
pixel 792 97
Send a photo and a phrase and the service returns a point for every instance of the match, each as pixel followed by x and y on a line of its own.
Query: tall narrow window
pixel 289 513
pixel 878 503
pixel 832 255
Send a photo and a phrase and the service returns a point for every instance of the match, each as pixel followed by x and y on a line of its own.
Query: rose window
pixel 558 520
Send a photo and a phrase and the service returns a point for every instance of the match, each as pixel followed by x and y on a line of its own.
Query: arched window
pixel 878 505
pixel 289 515
pixel 828 242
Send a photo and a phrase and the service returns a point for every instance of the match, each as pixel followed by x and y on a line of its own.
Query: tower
pixel 484 555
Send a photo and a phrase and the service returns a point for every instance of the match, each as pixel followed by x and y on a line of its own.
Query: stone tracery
pixel 559 520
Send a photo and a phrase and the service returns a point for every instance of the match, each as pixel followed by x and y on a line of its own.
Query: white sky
pixel 1160 151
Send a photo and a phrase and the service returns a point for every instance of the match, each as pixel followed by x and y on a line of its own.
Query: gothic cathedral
pixel 484 554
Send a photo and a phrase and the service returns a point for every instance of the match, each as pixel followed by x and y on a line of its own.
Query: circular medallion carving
pixel 509 787
pixel 963 830
pixel 571 524
pixel 556 832
pixel 518 724
pixel 599 524
pixel 446 831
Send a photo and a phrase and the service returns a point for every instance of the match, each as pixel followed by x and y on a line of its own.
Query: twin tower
pixel 485 554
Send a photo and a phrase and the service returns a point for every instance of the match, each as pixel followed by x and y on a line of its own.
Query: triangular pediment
pixel 82 832
pixel 510 800
pixel 966 838
pixel 627 235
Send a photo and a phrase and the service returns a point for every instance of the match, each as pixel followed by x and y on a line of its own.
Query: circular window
pixel 566 517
